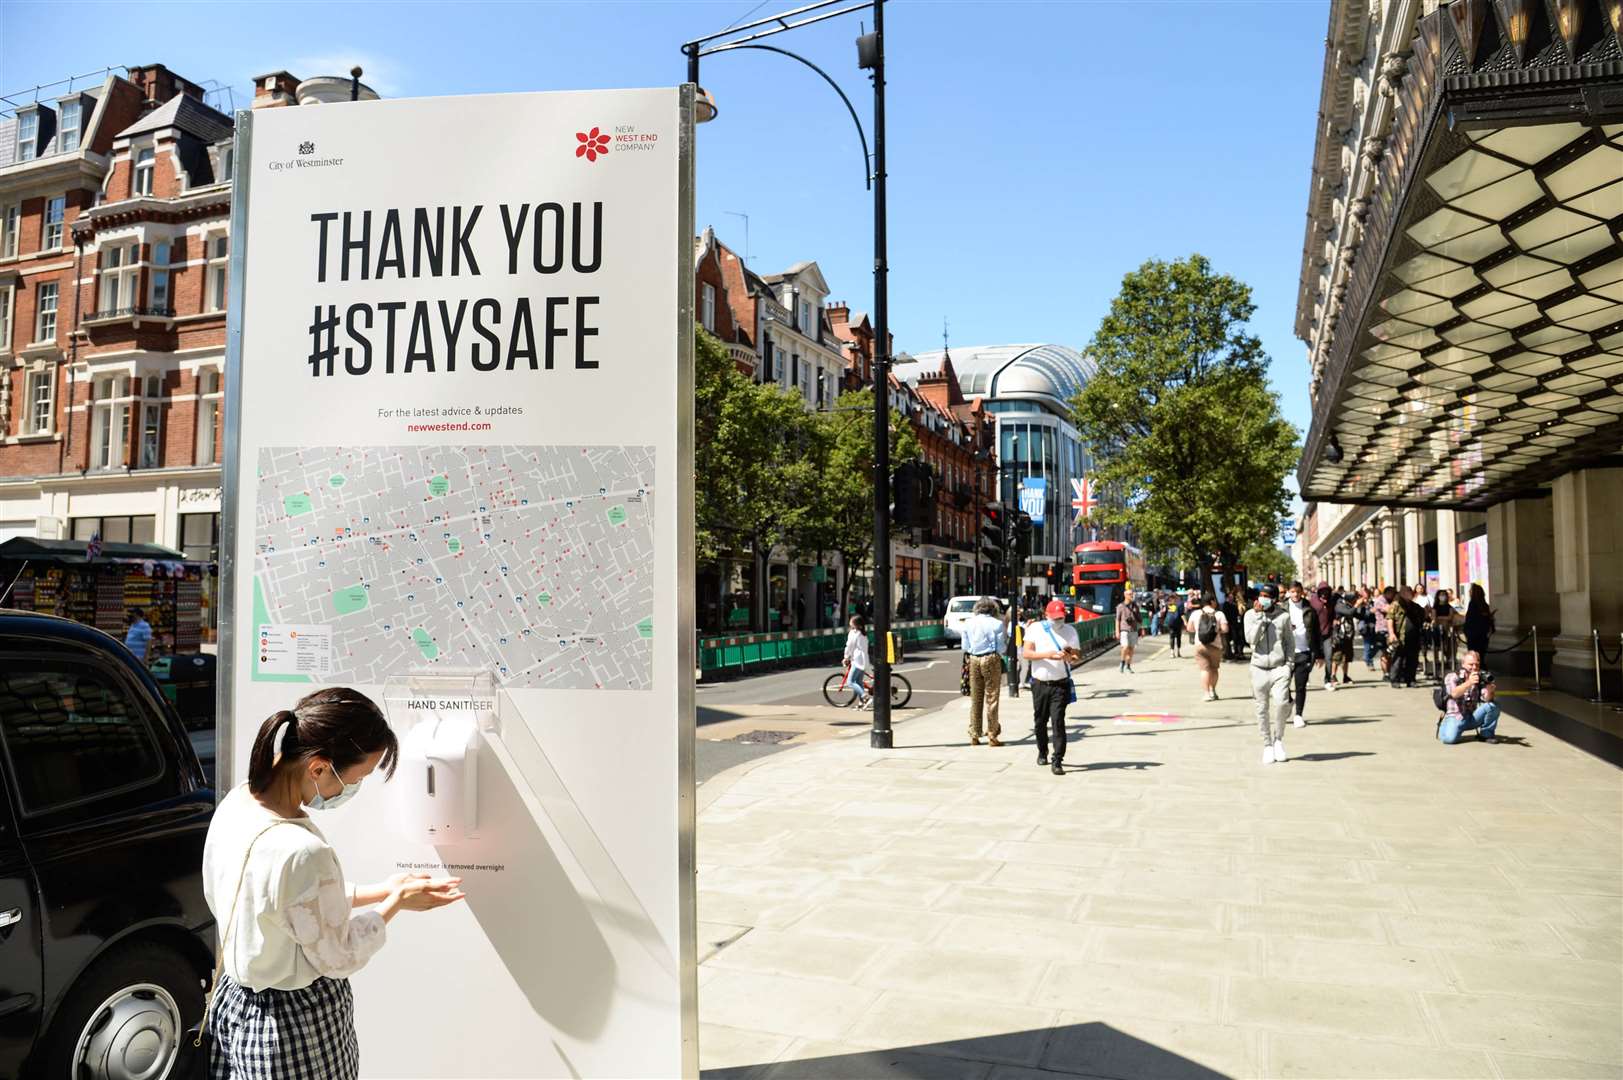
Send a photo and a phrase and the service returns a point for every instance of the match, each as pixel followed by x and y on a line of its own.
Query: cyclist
pixel 856 661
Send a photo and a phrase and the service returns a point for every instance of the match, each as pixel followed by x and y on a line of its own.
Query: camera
pixel 1485 677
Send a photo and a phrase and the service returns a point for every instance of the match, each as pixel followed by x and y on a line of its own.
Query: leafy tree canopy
pixel 1188 444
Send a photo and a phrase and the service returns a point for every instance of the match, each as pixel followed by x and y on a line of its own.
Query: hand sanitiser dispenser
pixel 439 779
pixel 440 719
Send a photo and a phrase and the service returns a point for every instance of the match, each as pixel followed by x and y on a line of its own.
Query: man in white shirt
pixel 1051 646
pixel 984 636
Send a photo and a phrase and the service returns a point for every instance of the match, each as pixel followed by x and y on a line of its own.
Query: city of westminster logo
pixel 307 147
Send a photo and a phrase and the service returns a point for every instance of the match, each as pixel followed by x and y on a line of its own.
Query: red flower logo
pixel 592 143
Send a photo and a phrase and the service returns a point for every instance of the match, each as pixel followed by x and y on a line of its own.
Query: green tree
pixel 839 517
pixel 1188 444
pixel 756 457
pixel 1262 558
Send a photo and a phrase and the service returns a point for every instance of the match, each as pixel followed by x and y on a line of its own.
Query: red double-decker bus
pixel 1103 570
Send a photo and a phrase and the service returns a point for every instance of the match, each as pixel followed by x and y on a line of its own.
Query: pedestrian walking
pixel 1210 628
pixel 1172 623
pixel 1304 648
pixel 138 636
pixel 984 636
pixel 1268 632
pixel 1408 623
pixel 856 660
pixel 1127 624
pixel 1052 647
pixel 1323 602
pixel 292 932
pixel 1343 629
pixel 1232 642
pixel 1478 624
pixel 1383 604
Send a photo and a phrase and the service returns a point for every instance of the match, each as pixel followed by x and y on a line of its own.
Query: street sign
pixel 1289 536
pixel 1033 497
pixel 497 372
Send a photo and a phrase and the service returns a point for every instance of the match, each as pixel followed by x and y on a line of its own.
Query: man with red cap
pixel 1052 647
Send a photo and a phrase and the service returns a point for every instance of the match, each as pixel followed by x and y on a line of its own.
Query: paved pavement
pixel 743 719
pixel 1378 906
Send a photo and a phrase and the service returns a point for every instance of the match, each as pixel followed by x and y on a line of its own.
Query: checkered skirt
pixel 304 1034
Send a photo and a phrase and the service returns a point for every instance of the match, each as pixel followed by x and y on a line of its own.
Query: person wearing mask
pixel 1172 623
pixel 984 636
pixel 1209 628
pixel 1470 705
pixel 1304 647
pixel 856 660
pixel 1478 624
pixel 1052 647
pixel 292 931
pixel 138 638
pixel 1127 624
pixel 1268 632
pixel 1323 605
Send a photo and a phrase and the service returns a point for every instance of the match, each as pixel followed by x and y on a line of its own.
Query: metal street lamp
pixel 870 57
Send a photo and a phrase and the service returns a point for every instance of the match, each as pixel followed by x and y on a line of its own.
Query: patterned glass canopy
pixel 1492 358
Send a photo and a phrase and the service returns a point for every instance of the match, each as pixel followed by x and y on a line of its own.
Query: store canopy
pixel 77 551
pixel 1479 352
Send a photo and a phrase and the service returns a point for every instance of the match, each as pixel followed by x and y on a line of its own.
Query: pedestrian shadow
pixel 1345 720
pixel 1513 740
pixel 1094 695
pixel 1333 757
pixel 1087 1049
pixel 1090 766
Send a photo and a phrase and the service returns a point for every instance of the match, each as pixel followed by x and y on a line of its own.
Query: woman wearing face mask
pixel 292 930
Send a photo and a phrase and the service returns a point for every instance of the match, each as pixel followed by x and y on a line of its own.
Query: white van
pixel 960 608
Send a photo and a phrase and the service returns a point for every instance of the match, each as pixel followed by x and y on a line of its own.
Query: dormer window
pixel 144 169
pixel 28 135
pixel 70 116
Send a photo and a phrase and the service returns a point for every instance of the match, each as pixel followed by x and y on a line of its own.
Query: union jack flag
pixel 1083 499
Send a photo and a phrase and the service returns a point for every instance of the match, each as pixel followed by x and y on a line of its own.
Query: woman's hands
pixel 419 892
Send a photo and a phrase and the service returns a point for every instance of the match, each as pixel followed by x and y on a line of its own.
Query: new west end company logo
pixel 597 143
pixel 592 143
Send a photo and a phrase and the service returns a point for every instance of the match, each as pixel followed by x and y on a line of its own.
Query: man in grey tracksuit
pixel 1268 631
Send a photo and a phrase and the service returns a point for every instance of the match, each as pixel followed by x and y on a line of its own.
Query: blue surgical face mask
pixel 328 802
pixel 1267 602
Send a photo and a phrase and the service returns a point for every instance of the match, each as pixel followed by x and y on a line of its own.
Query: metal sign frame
pixel 686 645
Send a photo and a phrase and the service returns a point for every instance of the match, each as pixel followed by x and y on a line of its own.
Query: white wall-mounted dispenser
pixel 439 780
pixel 439 719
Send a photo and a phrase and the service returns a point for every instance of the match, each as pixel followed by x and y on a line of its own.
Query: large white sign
pixel 460 448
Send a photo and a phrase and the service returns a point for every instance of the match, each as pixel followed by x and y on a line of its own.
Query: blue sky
pixel 1038 151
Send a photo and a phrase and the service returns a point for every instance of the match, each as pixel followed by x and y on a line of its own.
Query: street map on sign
pixel 535 562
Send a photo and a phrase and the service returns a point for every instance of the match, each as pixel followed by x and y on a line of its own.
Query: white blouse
pixel 295 920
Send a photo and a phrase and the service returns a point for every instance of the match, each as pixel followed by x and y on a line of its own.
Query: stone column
pixel 1360 570
pixel 1371 552
pixel 1587 506
pixel 1521 582
pixel 1412 570
pixel 1448 565
pixel 1390 528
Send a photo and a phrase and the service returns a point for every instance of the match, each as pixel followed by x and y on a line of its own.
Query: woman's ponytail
pixel 338 724
pixel 262 759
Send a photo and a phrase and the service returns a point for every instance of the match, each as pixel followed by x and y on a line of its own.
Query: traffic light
pixel 994 532
pixel 1052 575
pixel 1021 526
pixel 911 489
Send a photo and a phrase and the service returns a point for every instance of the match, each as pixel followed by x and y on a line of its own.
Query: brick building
pixel 115 207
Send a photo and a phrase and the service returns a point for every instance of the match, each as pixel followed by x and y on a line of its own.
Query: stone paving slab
pixel 1379 905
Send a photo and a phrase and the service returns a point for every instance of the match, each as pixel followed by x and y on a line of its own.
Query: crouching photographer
pixel 1468 703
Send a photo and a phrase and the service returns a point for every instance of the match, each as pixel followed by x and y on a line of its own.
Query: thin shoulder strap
pixel 225 935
